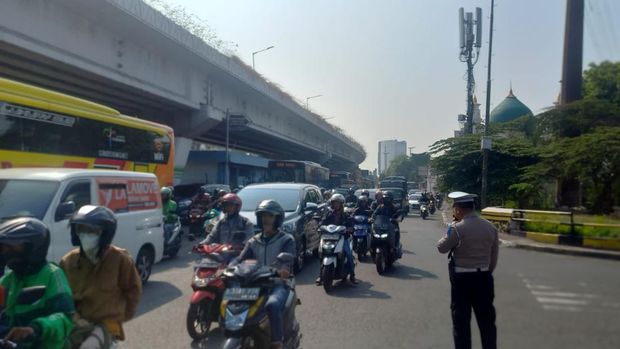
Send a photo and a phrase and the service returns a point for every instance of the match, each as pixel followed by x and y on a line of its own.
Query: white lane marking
pixel 552 300
pixel 562 308
pixel 565 294
pixel 539 287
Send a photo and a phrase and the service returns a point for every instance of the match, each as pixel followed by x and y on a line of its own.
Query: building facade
pixel 389 150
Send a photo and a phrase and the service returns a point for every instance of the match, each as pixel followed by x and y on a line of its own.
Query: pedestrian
pixel 472 244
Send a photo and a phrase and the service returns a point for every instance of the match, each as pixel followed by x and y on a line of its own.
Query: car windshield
pixel 415 197
pixel 251 197
pixel 25 197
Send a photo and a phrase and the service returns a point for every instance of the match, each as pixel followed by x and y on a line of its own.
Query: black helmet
pixel 273 207
pixel 365 193
pixel 36 239
pixel 98 216
pixel 351 191
pixel 388 197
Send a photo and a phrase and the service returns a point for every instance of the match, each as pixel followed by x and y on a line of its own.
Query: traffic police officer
pixel 472 243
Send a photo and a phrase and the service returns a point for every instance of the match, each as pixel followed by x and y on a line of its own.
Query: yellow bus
pixel 43 128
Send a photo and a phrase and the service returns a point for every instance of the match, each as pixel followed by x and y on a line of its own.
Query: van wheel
pixel 144 264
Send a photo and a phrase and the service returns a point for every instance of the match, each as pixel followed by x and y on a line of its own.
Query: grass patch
pixel 552 224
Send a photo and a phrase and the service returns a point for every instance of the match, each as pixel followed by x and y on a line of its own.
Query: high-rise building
pixel 388 151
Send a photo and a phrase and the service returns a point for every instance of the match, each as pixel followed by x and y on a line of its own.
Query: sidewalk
pixel 515 241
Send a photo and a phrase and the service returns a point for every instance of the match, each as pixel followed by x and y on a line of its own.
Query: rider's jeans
pixel 349 264
pixel 275 311
pixel 168 228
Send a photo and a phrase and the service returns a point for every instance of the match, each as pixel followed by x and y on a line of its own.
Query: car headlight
pixel 384 236
pixel 376 235
pixel 289 227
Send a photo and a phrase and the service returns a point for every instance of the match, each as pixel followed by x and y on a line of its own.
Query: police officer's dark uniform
pixel 472 244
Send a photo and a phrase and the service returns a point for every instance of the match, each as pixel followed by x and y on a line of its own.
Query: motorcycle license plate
pixel 242 294
pixel 359 227
pixel 360 233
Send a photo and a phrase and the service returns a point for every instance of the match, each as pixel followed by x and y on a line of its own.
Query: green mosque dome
pixel 509 109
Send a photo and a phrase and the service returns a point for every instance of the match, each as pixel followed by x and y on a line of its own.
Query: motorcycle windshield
pixel 382 223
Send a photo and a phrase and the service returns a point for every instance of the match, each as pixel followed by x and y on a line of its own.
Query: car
pixel 302 205
pixel 414 201
pixel 53 195
pixel 214 188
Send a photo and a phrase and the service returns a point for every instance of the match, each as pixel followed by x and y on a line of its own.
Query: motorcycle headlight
pixel 202 282
pixel 384 236
pixel 377 235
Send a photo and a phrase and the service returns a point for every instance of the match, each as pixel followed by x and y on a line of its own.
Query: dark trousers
pixel 473 290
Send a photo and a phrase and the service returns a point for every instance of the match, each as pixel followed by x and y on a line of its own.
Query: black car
pixel 302 204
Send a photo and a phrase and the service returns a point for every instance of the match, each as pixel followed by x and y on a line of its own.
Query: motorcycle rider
pixel 337 216
pixel 363 208
pixel 169 208
pixel 45 323
pixel 265 247
pixel 351 198
pixel 327 195
pixel 105 283
pixel 225 228
pixel 388 209
pixel 378 200
pixel 202 200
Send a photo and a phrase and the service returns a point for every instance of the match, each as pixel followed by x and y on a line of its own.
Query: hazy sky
pixel 390 68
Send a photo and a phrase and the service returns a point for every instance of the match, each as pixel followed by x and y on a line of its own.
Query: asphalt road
pixel 542 301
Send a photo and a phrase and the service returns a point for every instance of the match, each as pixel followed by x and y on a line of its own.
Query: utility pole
pixel 470 48
pixel 572 62
pixel 486 139
pixel 227 174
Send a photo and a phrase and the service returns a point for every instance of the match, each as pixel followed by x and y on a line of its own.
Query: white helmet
pixel 337 197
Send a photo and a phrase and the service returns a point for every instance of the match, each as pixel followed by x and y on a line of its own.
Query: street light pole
pixel 309 98
pixel 486 146
pixel 259 51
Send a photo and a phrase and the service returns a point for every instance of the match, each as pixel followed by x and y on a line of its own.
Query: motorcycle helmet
pixel 270 206
pixel 388 197
pixel 232 199
pixel 97 216
pixel 34 236
pixel 362 202
pixel 165 193
pixel 365 193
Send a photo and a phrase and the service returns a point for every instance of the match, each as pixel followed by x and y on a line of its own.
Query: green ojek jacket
pixel 50 316
pixel 170 211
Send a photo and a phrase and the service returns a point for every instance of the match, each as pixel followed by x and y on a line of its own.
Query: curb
pixel 576 251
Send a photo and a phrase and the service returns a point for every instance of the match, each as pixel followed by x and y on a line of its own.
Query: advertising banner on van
pixel 125 195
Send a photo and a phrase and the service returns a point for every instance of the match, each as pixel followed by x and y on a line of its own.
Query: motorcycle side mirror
pixel 311 207
pixel 65 210
pixel 30 295
pixel 285 258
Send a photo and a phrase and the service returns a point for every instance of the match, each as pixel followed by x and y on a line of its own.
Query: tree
pixel 407 166
pixel 602 81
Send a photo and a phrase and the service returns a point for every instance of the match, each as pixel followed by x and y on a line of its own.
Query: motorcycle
pixel 331 254
pixel 349 208
pixel 195 222
pixel 431 207
pixel 243 312
pixel 26 296
pixel 207 285
pixel 361 235
pixel 382 244
pixel 172 243
pixel 423 211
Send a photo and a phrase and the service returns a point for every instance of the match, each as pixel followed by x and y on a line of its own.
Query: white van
pixel 53 195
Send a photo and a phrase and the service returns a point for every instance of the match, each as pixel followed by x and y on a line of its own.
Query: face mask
pixel 89 241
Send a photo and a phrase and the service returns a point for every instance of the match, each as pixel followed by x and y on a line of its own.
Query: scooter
pixel 431 207
pixel 383 242
pixel 361 235
pixel 207 285
pixel 349 208
pixel 331 254
pixel 423 211
pixel 195 222
pixel 243 311
pixel 26 296
pixel 172 244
